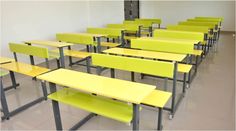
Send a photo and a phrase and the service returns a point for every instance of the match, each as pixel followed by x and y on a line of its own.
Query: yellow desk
pixel 4 60
pixel 146 54
pixel 25 69
pixel 108 87
pixel 56 44
pixel 102 86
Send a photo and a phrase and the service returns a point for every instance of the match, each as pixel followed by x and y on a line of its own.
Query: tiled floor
pixel 208 105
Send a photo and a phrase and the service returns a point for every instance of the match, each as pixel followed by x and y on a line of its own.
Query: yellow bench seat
pixel 130 37
pixel 109 44
pixel 96 104
pixel 73 53
pixel 184 68
pixel 197 52
pixel 157 98
pixel 5 60
pixel 23 68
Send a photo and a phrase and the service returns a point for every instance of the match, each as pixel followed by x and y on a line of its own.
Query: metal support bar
pixel 135 117
pixel 112 73
pixel 57 116
pixel 47 63
pixel 70 58
pixel 15 56
pixel 58 64
pixel 81 60
pixel 98 70
pixel 88 64
pixel 184 83
pixel 165 84
pixel 174 88
pixel 159 121
pixel 62 59
pixel 56 110
pixel 11 87
pixel 24 107
pixel 32 60
pixel 13 79
pixel 99 44
pixel 5 109
pixel 132 76
pixel 45 93
pixel 82 122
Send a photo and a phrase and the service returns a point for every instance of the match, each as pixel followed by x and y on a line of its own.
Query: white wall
pixel 29 20
pixel 171 12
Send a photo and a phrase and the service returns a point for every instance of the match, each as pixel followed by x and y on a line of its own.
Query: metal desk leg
pixel 62 59
pixel 56 110
pixel 135 117
pixel 70 58
pixel 159 121
pixel 45 93
pixel 132 76
pixel 112 73
pixel 88 65
pixel 4 102
pixel 13 79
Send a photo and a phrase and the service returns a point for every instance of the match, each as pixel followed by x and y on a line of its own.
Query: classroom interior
pixel 117 65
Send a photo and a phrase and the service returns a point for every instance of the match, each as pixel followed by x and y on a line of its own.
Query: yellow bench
pixel 25 69
pixel 101 96
pixel 145 66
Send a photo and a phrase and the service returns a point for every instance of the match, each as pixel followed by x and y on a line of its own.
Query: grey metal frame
pixel 8 114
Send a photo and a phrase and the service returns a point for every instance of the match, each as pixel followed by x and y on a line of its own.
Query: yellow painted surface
pixel 24 68
pixel 73 53
pixel 157 98
pixel 104 86
pixel 49 43
pixel 184 68
pixel 151 67
pixel 5 60
pixel 146 54
pixel 109 44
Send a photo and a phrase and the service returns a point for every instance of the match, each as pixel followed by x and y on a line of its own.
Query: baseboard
pixel 228 32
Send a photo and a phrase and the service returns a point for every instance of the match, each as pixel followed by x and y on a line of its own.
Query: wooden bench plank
pixel 96 104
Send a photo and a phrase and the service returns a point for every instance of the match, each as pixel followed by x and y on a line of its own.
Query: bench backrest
pixel 216 22
pixel 162 33
pixel 143 23
pixel 154 21
pixel 29 50
pixel 76 38
pixel 163 46
pixel 202 29
pixel 208 24
pixel 158 68
pixel 128 27
pixel 221 19
pixel 106 31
